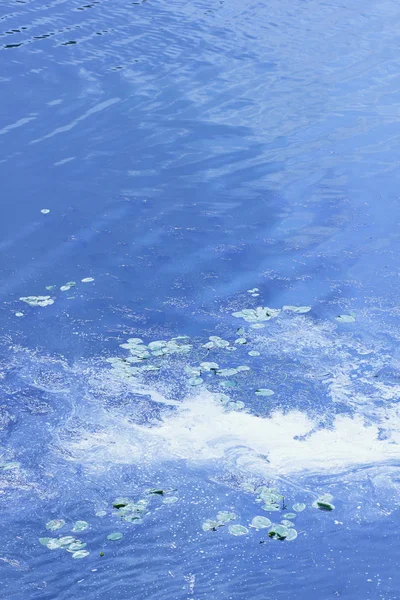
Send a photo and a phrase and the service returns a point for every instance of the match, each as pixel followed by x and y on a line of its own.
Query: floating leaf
pixel 264 392
pixel 257 326
pixel 345 319
pixel 299 507
pixel 55 524
pixel 287 523
pixel 158 491
pixel 291 535
pixel 211 525
pixel 80 554
pixel 19 314
pixel 238 405
pixel 224 516
pixel 270 507
pixel 253 291
pixel 101 513
pixel 297 309
pixel 66 540
pixel 113 537
pixel 290 515
pixel 120 502
pixel 80 526
pixel 324 502
pixel 241 340
pixel 238 530
pixel 260 313
pixel 254 353
pixel 278 531
pixel 45 540
pixel 54 544
pixel 209 366
pixel 260 522
pixel 37 300
pixel 87 280
pixel 75 546
pixel 45 211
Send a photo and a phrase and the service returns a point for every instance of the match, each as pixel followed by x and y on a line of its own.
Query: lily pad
pixel 270 507
pixel 297 309
pixel 257 326
pixel 66 540
pixel 45 211
pixel 55 524
pixel 291 535
pixel 19 314
pixel 324 502
pixel 290 515
pixel 80 554
pixel 287 523
pixel 279 532
pixel 299 507
pixel 260 522
pixel 224 516
pixel 54 544
pixel 238 530
pixel 264 392
pixel 241 340
pixel 80 526
pixel 113 537
pixel 170 499
pixel 209 366
pixel 157 491
pixel 253 315
pixel 75 546
pixel 101 513
pixel 211 525
pixel 345 319
pixel 87 280
pixel 254 353
pixel 45 540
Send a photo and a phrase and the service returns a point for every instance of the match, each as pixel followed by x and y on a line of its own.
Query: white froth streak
pixel 201 430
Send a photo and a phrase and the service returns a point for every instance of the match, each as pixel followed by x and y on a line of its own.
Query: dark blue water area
pixel 198 159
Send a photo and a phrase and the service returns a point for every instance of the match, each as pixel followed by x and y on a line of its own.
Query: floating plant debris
pixel 68 286
pixel 80 554
pixel 87 279
pixel 216 342
pixel 224 516
pixel 299 507
pixel 19 314
pixel 45 211
pixel 279 532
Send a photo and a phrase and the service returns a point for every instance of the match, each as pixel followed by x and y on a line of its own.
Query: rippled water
pixel 188 153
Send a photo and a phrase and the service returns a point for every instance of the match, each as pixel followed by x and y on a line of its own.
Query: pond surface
pixel 177 179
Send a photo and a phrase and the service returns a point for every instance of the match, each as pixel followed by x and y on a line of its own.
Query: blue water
pixel 188 153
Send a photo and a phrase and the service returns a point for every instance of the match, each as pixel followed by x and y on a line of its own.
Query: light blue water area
pixel 194 160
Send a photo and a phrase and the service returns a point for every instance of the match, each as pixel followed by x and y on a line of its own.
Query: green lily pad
pixel 224 516
pixel 279 532
pixel 227 372
pixel 254 353
pixel 264 392
pixel 287 523
pixel 238 530
pixel 345 319
pixel 45 540
pixel 260 522
pixel 75 546
pixel 228 384
pixel 290 515
pixel 66 540
pixel 241 341
pixel 257 326
pixel 299 507
pixel 19 314
pixel 80 526
pixel 80 554
pixel 270 507
pixel 54 544
pixel 324 502
pixel 113 537
pixel 50 288
pixel 253 315
pixel 87 280
pixel 291 535
pixel 133 519
pixel 297 309
pixel 209 366
pixel 45 211
pixel 211 525
pixel 101 513
pixel 55 524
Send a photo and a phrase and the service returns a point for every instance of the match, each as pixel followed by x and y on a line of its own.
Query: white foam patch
pixel 201 430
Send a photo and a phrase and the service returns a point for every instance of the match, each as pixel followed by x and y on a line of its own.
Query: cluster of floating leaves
pixel 274 502
pixel 37 300
pixel 48 300
pixel 69 543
